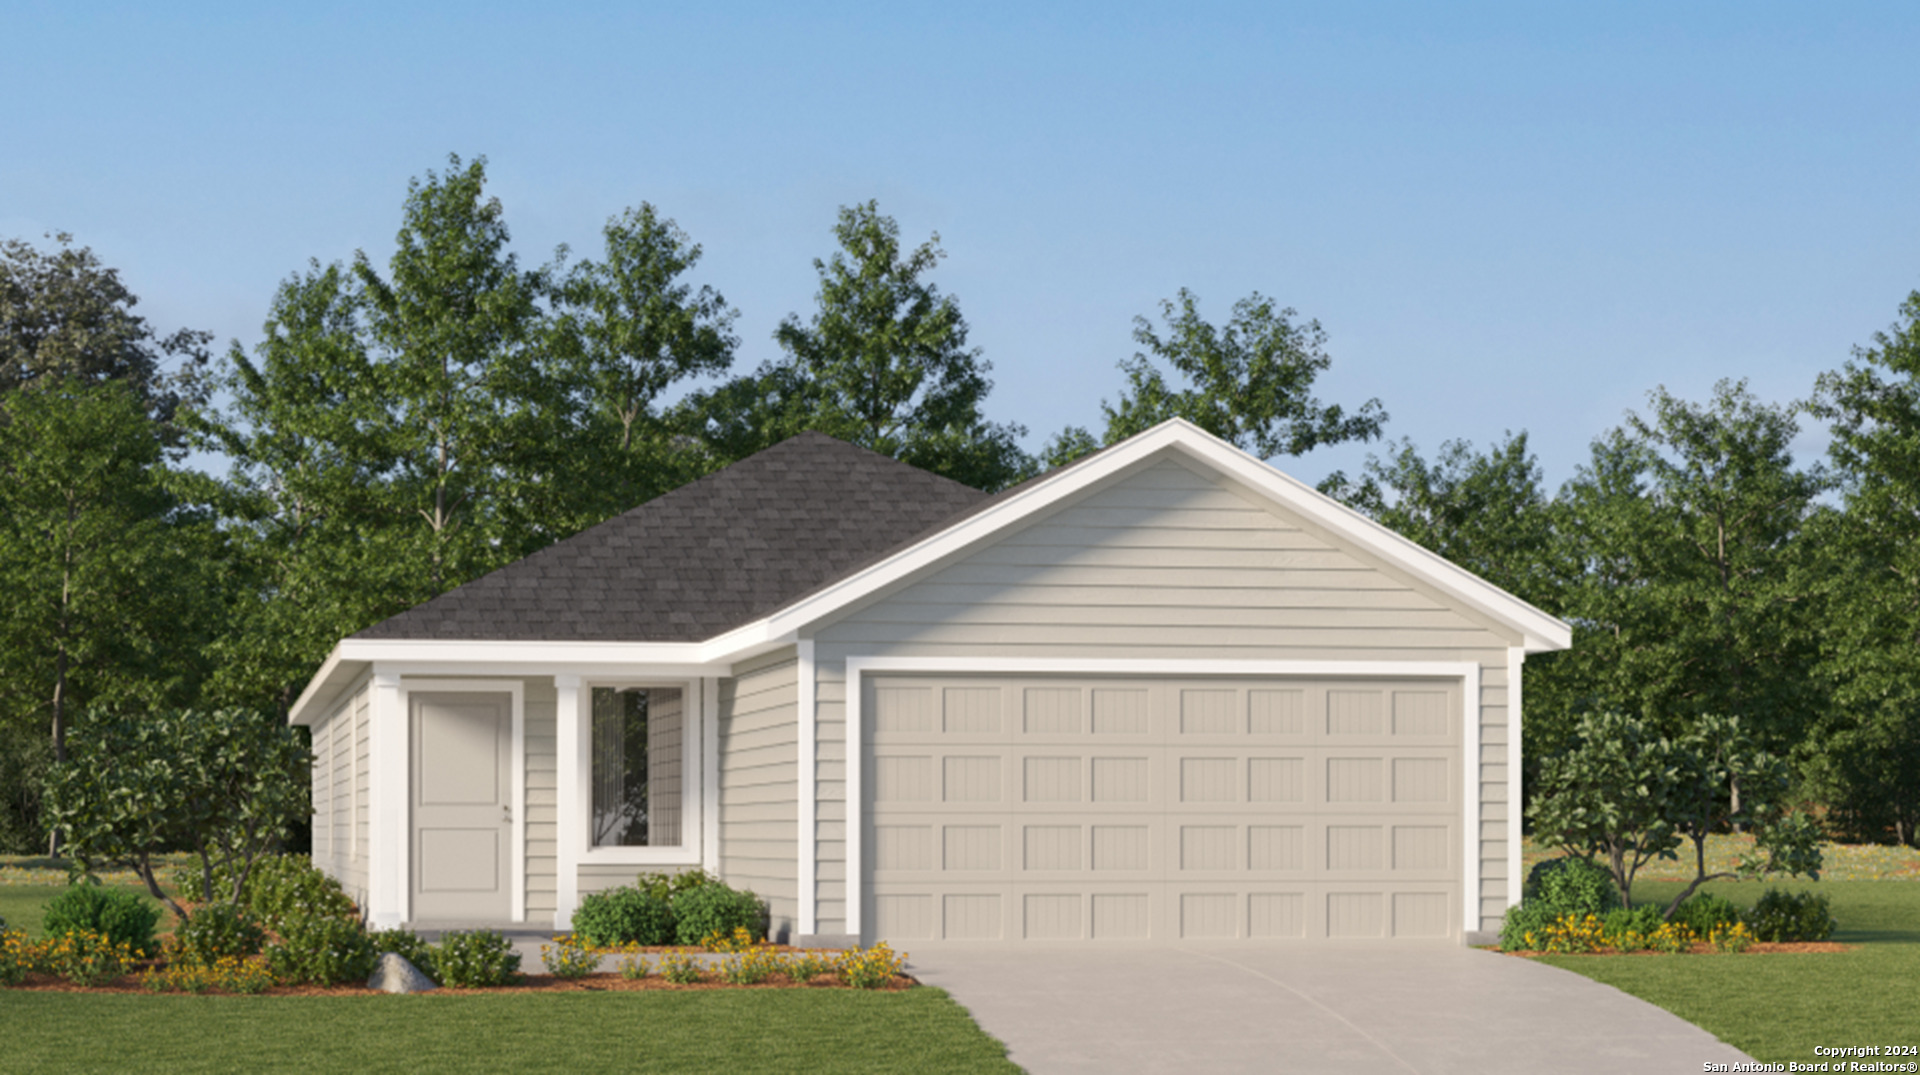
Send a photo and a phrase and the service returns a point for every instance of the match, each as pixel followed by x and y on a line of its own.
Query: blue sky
pixel 1505 216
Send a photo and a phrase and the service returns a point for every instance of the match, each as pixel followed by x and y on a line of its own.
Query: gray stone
pixel 396 975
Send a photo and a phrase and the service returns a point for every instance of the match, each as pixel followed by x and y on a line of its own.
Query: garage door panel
pixel 1106 810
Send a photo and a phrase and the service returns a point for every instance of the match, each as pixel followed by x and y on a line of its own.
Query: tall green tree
pixel 111 592
pixel 316 554
pixel 1248 382
pixel 399 432
pixel 883 363
pixel 65 317
pixel 449 328
pixel 1689 599
pixel 1864 760
pixel 625 329
pixel 1488 512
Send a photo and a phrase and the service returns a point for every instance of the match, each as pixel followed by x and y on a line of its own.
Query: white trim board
pixel 1468 673
pixel 808 699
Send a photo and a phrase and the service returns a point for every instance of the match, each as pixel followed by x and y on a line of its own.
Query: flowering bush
pixel 229 974
pixel 17 956
pixel 1732 939
pixel 805 968
pixel 1672 938
pixel 740 940
pixel 680 969
pixel 84 957
pixel 634 968
pixel 477 959
pixel 565 958
pixel 751 967
pixel 216 930
pixel 1570 933
pixel 870 968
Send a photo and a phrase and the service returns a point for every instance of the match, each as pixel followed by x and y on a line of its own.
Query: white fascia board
pixel 432 656
pixel 321 688
pixel 1540 631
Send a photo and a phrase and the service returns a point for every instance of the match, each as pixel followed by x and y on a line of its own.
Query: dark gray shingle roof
pixel 708 557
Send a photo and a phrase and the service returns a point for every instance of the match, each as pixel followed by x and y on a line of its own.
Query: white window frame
pixel 692 778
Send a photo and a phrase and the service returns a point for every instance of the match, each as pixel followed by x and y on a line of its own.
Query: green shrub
pixel 409 946
pixel 717 908
pixel 1628 930
pixel 1703 913
pixel 284 887
pixel 1573 886
pixel 215 931
pixel 1555 889
pixel 666 886
pixel 1791 916
pixel 622 916
pixel 323 949
pixel 124 917
pixel 477 959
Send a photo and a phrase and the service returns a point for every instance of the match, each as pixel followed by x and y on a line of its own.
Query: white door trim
pixel 516 782
pixel 1467 672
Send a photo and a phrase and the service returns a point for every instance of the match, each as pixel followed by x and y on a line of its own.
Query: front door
pixel 462 809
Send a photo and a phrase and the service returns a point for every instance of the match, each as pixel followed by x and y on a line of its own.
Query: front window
pixel 637 751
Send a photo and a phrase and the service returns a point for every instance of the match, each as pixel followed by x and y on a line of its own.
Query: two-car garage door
pixel 1051 809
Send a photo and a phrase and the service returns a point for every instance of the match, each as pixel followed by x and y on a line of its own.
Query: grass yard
pixel 783 1030
pixel 1778 1007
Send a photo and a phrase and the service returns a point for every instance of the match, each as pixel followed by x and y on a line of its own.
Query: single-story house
pixel 1167 692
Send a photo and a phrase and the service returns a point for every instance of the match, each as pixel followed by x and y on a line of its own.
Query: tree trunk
pixel 59 733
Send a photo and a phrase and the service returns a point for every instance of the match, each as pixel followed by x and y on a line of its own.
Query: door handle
pixel 506 814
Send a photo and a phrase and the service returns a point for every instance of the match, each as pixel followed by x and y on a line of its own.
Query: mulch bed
pixel 1762 948
pixel 529 983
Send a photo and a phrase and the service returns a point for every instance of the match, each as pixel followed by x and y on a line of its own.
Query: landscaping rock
pixel 396 975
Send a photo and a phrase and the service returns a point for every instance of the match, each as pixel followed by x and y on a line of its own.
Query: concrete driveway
pixel 1318 1008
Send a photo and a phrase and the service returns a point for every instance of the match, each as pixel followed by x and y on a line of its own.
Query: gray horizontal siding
pixel 760 783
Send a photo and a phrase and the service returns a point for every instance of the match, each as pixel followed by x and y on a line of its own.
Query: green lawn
pixel 783 1030
pixel 1778 1007
pixel 746 1030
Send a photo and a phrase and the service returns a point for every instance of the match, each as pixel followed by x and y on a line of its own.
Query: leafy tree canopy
pixel 1249 382
pixel 226 784
pixel 66 317
pixel 882 363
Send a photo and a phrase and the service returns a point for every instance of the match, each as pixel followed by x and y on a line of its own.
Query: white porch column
pixel 572 762
pixel 387 795
pixel 1516 874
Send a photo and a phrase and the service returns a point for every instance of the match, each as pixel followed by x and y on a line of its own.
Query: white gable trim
pixel 1539 631
pixel 1468 673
